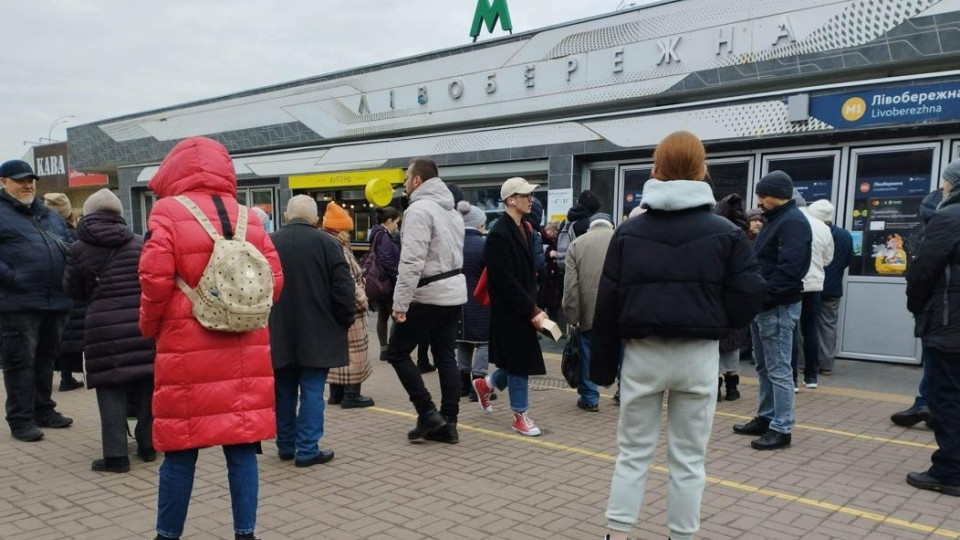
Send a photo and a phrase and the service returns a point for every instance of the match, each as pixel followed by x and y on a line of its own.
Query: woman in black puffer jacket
pixel 102 269
pixel 732 208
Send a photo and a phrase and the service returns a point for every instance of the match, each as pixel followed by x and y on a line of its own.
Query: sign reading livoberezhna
pixel 51 162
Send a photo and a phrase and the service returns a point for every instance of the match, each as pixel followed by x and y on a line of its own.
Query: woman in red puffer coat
pixel 210 388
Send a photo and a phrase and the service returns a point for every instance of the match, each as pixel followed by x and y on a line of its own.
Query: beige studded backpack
pixel 235 292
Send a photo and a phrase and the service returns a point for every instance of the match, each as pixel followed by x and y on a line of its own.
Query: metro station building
pixel 858 100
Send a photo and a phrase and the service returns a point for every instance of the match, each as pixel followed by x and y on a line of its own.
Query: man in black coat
pixel 33 306
pixel 514 315
pixel 308 329
pixel 933 296
pixel 783 251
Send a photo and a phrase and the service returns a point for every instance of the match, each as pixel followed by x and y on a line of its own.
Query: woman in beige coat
pixel 345 381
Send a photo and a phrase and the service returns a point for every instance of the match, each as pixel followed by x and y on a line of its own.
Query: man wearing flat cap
pixel 33 304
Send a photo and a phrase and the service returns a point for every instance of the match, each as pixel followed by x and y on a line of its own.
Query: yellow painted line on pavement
pixel 828 390
pixel 872 516
pixel 841 433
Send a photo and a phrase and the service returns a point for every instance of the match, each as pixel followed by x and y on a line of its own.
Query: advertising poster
pixel 813 190
pixel 886 214
pixel 558 202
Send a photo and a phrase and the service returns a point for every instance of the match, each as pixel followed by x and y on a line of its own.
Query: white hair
pixel 302 207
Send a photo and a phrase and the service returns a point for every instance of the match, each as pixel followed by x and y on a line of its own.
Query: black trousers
pixel 29 349
pixel 436 325
pixel 944 401
pixel 114 402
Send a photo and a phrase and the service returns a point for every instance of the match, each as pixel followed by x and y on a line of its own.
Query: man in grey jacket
pixel 581 280
pixel 426 302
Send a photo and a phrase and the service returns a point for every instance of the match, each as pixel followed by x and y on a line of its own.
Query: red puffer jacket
pixel 210 388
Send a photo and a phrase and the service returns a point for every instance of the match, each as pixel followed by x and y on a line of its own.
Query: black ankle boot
pixel 111 464
pixel 352 398
pixel 731 380
pixel 336 394
pixel 447 434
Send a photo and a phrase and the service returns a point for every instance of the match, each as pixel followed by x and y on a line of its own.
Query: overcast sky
pixel 104 58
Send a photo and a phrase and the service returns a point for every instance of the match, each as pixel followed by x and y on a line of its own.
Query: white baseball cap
pixel 515 186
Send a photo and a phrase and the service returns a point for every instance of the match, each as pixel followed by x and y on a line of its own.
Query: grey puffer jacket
pixel 431 243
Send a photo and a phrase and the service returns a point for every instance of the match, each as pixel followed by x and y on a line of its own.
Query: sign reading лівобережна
pixel 896 105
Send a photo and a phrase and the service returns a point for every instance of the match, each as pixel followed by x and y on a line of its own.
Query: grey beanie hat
pixel 103 201
pixel 951 174
pixel 601 216
pixel 473 217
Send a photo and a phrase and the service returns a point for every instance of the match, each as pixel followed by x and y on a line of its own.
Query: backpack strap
pixel 200 216
pixel 242 221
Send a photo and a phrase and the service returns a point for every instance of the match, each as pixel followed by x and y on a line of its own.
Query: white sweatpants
pixel 651 366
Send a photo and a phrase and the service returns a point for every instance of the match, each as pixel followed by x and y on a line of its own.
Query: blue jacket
pixel 33 242
pixel 842 256
pixel 475 322
pixel 783 253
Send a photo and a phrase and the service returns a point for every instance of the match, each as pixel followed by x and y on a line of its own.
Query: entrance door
pixel 814 174
pixel 884 193
pixel 632 179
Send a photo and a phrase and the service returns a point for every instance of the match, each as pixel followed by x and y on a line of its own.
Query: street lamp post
pixel 60 120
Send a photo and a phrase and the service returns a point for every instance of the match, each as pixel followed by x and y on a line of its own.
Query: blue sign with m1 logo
pixel 898 105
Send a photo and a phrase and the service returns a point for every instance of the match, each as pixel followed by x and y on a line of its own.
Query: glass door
pixel 632 179
pixel 884 192
pixel 147 200
pixel 730 175
pixel 815 174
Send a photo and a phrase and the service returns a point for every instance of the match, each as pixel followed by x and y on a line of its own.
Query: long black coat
pixel 116 353
pixel 309 323
pixel 512 282
pixel 475 321
pixel 933 279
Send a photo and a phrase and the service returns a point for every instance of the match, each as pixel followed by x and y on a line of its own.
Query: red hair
pixel 680 156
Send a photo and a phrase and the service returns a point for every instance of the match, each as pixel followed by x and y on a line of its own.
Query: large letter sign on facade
pixel 489 13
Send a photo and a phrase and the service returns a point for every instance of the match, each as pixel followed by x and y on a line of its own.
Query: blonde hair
pixel 680 156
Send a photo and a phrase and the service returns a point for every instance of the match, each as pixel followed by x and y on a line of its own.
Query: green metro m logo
pixel 489 13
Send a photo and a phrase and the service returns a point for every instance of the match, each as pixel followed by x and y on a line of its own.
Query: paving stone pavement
pixel 842 478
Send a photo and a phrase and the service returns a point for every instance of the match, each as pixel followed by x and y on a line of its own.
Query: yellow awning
pixel 345 179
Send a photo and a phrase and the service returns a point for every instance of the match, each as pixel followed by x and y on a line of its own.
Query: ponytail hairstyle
pixel 386 214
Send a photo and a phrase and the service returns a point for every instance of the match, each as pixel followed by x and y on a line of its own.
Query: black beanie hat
pixel 590 201
pixel 455 191
pixel 775 184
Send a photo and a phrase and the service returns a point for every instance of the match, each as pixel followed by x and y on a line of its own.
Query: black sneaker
pixel 69 383
pixel 55 420
pixel 245 536
pixel 923 480
pixel 771 440
pixel 26 433
pixel 912 416
pixel 111 464
pixel 616 397
pixel 587 406
pixel 426 368
pixel 323 457
pixel 758 426
pixel 426 424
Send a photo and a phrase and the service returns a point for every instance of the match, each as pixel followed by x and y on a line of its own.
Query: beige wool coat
pixel 584 265
pixel 359 369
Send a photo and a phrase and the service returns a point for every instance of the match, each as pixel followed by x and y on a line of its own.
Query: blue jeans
pixel 772 332
pixel 176 485
pixel 298 434
pixel 519 401
pixel 921 399
pixel 587 389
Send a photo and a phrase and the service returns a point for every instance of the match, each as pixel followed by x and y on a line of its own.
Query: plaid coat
pixel 359 368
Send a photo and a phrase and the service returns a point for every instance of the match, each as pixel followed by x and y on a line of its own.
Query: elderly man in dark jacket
pixel 515 317
pixel 33 306
pixel 933 296
pixel 783 251
pixel 102 270
pixel 308 329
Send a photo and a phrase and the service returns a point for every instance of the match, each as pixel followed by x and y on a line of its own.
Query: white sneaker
pixel 810 385
pixel 524 425
pixel 796 390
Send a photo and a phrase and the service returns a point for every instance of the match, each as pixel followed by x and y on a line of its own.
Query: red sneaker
pixel 524 426
pixel 483 390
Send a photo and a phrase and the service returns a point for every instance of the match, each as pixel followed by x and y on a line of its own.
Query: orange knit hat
pixel 336 218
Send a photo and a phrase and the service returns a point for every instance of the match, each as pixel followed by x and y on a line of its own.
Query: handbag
pixel 572 364
pixel 377 286
pixel 481 294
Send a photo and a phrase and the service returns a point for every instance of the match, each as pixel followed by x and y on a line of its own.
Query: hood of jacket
pixel 578 212
pixel 434 190
pixel 104 229
pixel 676 195
pixel 928 207
pixel 196 165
